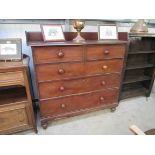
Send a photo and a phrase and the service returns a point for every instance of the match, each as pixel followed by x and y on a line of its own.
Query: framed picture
pixel 11 49
pixel 107 31
pixel 52 33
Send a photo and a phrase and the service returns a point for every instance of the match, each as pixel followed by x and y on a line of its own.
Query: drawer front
pixel 64 105
pixel 59 71
pixel 57 54
pixel 67 87
pixel 13 118
pixel 104 67
pixel 105 52
pixel 11 78
pixel 70 70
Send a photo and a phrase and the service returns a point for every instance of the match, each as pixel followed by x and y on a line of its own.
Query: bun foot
pixel 36 131
pixel 113 109
pixel 44 125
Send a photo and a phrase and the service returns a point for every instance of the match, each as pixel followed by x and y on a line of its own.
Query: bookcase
pixel 140 66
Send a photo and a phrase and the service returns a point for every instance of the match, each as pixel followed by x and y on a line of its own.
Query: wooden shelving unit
pixel 140 66
pixel 16 107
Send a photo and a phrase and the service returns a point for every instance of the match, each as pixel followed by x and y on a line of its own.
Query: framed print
pixel 11 49
pixel 107 31
pixel 52 33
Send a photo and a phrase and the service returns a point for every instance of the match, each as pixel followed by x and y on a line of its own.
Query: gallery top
pixel 36 39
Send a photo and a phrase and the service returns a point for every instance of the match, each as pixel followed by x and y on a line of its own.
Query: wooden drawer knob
pixel 62 88
pixel 106 52
pixel 104 67
pixel 103 83
pixel 61 71
pixel 102 99
pixel 61 54
pixel 62 106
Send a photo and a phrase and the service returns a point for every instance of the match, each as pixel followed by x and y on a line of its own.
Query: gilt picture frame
pixel 11 49
pixel 52 33
pixel 108 31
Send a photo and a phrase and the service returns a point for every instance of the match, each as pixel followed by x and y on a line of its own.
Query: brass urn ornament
pixel 139 27
pixel 78 25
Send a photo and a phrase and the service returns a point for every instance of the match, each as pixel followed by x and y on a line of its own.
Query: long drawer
pixel 13 117
pixel 69 70
pixel 100 52
pixel 74 86
pixel 61 106
pixel 57 54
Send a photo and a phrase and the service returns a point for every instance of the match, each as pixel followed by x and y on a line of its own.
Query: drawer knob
pixel 102 99
pixel 103 83
pixel 62 106
pixel 105 67
pixel 61 54
pixel 62 88
pixel 106 52
pixel 61 71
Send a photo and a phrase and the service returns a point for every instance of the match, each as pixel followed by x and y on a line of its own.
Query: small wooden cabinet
pixel 140 66
pixel 74 78
pixel 16 110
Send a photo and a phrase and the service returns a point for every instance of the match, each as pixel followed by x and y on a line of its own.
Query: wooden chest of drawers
pixel 73 78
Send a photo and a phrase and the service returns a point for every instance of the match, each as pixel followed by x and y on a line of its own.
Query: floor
pixel 139 111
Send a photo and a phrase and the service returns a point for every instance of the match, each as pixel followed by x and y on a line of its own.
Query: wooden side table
pixel 16 109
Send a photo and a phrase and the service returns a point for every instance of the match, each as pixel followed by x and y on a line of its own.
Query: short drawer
pixel 74 86
pixel 104 67
pixel 59 71
pixel 101 52
pixel 13 117
pixel 11 78
pixel 57 54
pixel 60 106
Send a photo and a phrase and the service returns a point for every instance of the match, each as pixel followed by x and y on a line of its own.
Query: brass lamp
pixel 139 27
pixel 78 25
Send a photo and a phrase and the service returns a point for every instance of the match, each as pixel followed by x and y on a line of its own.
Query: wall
pixel 18 31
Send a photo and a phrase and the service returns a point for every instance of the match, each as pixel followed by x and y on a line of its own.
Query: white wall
pixel 18 31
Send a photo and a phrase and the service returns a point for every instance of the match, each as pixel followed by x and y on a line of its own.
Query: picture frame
pixel 52 33
pixel 108 31
pixel 11 49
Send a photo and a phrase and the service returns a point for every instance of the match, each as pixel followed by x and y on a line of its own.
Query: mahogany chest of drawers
pixel 74 78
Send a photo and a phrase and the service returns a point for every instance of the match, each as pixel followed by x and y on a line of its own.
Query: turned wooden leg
pixel 44 125
pixel 113 109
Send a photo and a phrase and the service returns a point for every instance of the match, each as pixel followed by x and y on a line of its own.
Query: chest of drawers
pixel 74 78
